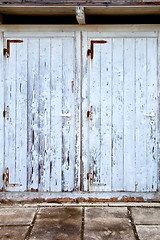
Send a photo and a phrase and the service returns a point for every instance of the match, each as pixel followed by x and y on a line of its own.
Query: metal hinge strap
pixel 6 179
pixel 7 50
pixel 90 51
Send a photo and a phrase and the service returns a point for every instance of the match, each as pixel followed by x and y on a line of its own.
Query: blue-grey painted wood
pixel 10 120
pixel 1 109
pixel 129 114
pixel 119 145
pixel 128 69
pixel 40 144
pixel 21 116
pixel 151 48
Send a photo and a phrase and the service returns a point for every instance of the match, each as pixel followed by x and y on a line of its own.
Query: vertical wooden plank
pixel 141 122
pixel 106 83
pixel 1 109
pixel 44 116
pixel 129 114
pixel 33 113
pixel 68 142
pixel 85 108
pixel 21 115
pixel 10 120
pixel 56 119
pixel 117 141
pixel 76 85
pixel 158 113
pixel 95 107
pixel 151 130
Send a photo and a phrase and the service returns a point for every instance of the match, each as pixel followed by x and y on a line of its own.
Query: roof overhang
pixel 89 10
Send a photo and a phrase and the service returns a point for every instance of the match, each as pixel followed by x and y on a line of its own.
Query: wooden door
pixel 119 133
pixel 41 112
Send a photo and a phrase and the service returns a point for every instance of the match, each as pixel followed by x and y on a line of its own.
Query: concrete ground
pixel 127 221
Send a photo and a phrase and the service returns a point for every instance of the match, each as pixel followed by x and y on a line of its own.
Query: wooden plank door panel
pixel 120 87
pixel 40 86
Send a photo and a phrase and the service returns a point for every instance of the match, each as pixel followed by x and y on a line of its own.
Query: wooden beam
pixel 80 15
pixel 1 18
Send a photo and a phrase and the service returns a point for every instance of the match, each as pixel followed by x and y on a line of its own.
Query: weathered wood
pixel 85 108
pixel 76 86
pixel 1 109
pixel 129 114
pixel 33 116
pixel 120 84
pixel 94 119
pixel 126 79
pixel 151 143
pixel 158 113
pixel 117 116
pixel 21 115
pixel 44 116
pixel 10 119
pixel 106 113
pixel 141 121
pixel 80 15
pixel 56 119
pixel 78 2
pixel 68 128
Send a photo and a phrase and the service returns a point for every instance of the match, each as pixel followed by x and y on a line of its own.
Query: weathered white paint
pixel 43 79
pixel 146 29
pixel 40 85
pixel 1 109
pixel 158 114
pixel 121 88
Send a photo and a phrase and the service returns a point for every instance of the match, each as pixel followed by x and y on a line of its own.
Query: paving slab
pixel 16 216
pixel 58 223
pixel 148 232
pixel 144 216
pixel 13 233
pixel 107 223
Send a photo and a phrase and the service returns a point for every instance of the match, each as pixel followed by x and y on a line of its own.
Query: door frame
pixel 146 30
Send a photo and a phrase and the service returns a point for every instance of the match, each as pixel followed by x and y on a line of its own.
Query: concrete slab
pixel 148 232
pixel 13 233
pixel 144 216
pixel 58 223
pixel 107 223
pixel 16 216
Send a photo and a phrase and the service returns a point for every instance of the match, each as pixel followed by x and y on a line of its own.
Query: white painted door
pixel 119 90
pixel 41 87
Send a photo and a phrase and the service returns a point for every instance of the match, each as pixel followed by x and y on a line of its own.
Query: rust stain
pixel 6 179
pixel 72 86
pixel 34 190
pixel 90 51
pixel 50 168
pixel 4 113
pixel 33 137
pixel 68 158
pixel 7 50
pixel 90 114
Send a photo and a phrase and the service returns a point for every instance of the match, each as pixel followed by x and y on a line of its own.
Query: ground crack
pixel 31 226
pixel 132 223
pixel 82 224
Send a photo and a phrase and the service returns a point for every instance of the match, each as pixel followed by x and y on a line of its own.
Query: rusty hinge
pixel 7 50
pixel 90 51
pixel 6 112
pixel 91 182
pixel 6 179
